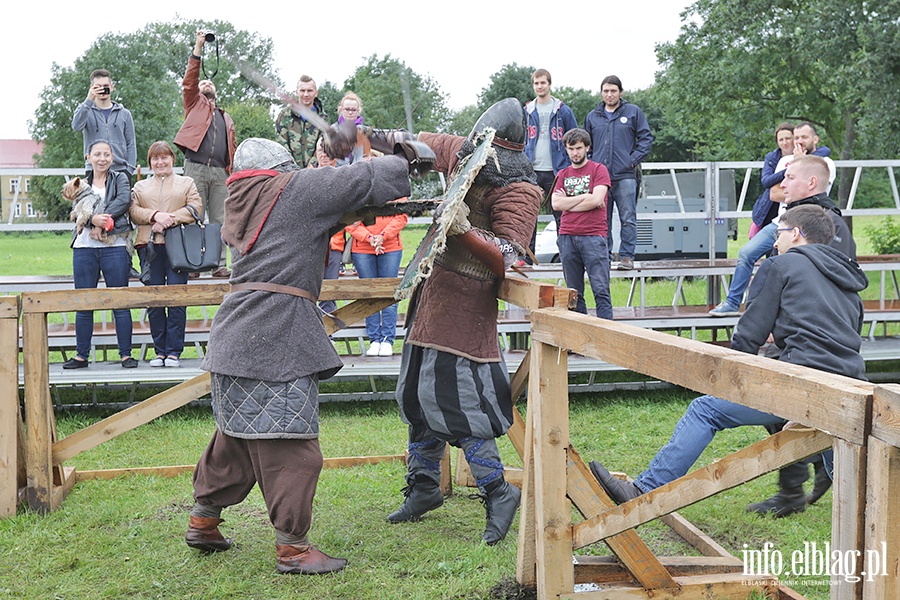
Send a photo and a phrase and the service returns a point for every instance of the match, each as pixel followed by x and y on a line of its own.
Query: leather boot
pixel 821 483
pixel 306 560
pixel 422 494
pixel 203 534
pixel 790 498
pixel 501 500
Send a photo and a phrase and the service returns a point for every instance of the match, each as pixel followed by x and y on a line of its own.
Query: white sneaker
pixel 386 349
pixel 158 362
pixel 374 349
pixel 173 361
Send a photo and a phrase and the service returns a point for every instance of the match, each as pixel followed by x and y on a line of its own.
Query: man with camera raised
pixel 208 141
pixel 99 118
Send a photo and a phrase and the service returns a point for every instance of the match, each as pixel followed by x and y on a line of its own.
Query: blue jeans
pixel 167 329
pixel 623 194
pixel 332 271
pixel 751 252
pixel 580 253
pixel 382 326
pixel 115 264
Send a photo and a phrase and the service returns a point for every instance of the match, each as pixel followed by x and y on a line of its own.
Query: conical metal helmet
pixel 259 153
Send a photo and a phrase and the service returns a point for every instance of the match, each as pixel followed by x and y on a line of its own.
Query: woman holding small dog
pixel 159 202
pixel 101 243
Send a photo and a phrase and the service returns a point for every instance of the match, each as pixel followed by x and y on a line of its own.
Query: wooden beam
pixel 549 411
pixel 608 569
pixel 175 470
pixel 848 510
pixel 10 417
pixel 130 418
pixel 882 526
pixel 446 483
pixel 356 311
pixel 359 289
pixel 532 295
pixel 38 410
pixel 886 413
pixel 724 586
pixel 837 405
pixel 526 557
pixel 590 500
pixel 698 540
pixel 774 452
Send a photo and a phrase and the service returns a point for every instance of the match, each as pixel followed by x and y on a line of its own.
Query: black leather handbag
pixel 194 246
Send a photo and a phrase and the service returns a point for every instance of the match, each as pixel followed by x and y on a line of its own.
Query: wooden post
pixel 848 513
pixel 38 407
pixel 548 412
pixel 882 522
pixel 10 419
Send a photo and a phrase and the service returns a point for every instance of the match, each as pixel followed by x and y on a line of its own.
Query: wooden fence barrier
pixel 835 410
pixel 48 480
pixel 12 458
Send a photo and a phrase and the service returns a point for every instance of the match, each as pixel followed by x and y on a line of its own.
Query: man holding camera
pixel 208 141
pixel 99 118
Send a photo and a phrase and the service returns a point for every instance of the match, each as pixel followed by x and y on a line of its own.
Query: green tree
pixel 511 81
pixel 580 100
pixel 741 66
pixel 147 66
pixel 383 83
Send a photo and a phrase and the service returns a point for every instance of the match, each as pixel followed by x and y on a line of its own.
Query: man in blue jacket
pixel 548 121
pixel 621 140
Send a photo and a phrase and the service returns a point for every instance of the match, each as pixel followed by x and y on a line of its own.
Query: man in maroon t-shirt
pixel 580 194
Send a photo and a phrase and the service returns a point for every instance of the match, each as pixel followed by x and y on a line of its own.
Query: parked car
pixel 545 249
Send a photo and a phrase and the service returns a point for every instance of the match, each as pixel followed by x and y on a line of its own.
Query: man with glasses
pixel 807 299
pixel 99 118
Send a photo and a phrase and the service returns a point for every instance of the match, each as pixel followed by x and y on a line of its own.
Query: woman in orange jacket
pixel 377 251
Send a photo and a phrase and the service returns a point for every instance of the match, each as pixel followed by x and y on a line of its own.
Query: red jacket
pixel 198 114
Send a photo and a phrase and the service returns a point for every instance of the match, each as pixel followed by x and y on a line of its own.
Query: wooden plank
pixel 110 298
pixel 725 586
pixel 608 569
pixel 446 483
pixel 526 553
pixel 774 452
pixel 590 499
pixel 359 289
pixel 528 294
pixel 848 513
pixel 10 418
pixel 38 407
pixel 549 411
pixel 356 311
pixel 175 470
pixel 134 416
pixel 698 540
pixel 837 405
pixel 886 413
pixel 882 522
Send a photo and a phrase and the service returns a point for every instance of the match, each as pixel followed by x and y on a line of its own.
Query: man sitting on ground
pixel 818 330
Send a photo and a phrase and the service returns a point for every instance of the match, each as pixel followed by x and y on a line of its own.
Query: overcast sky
pixel 460 44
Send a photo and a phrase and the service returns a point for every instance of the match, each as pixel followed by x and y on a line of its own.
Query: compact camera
pixel 104 90
pixel 210 36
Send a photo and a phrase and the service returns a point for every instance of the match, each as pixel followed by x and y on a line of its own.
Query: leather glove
pixel 418 154
pixel 340 140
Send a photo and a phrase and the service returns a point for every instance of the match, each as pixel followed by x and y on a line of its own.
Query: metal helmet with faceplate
pixel 259 153
pixel 507 118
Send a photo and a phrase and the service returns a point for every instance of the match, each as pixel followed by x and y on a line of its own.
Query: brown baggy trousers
pixel 287 472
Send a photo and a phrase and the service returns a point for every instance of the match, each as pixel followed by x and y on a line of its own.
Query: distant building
pixel 17 154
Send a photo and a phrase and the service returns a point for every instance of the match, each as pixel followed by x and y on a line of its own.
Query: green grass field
pixel 123 538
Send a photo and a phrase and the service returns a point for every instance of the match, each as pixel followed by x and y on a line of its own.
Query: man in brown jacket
pixel 208 141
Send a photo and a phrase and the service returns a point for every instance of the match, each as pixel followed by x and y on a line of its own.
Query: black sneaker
pixel 129 363
pixel 74 363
